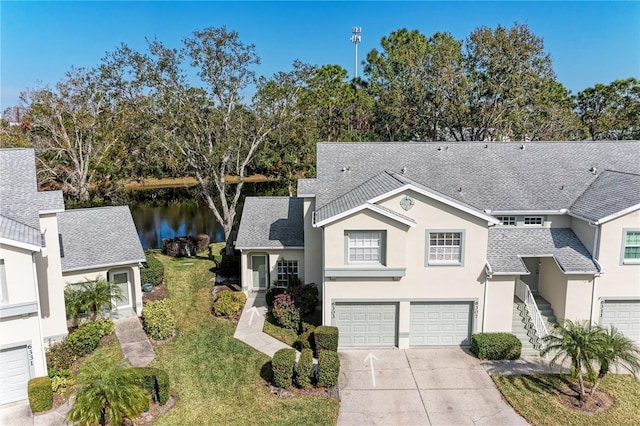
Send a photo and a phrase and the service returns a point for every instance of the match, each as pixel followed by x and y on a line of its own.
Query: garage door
pixel 440 323
pixel 623 315
pixel 14 374
pixel 366 324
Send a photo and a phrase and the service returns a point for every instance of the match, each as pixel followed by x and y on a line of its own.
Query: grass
pixel 535 398
pixel 218 379
pixel 285 335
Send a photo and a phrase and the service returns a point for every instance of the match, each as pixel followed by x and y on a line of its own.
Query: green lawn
pixel 218 379
pixel 534 397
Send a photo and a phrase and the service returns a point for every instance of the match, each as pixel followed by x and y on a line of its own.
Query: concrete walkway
pixel 134 341
pixel 249 329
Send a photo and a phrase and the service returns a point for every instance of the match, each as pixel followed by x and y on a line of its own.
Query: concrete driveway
pixel 436 386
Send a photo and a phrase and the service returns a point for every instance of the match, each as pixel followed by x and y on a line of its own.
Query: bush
pixel 229 303
pixel 326 338
pixel 40 394
pixel 328 368
pixel 496 346
pixel 154 272
pixel 271 295
pixel 285 312
pixel 283 363
pixel 158 320
pixel 162 378
pixel 306 339
pixel 85 339
pixel 305 298
pixel 153 380
pixel 229 266
pixel 60 384
pixel 60 356
pixel 305 365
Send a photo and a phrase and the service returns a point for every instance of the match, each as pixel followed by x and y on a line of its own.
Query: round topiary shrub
pixel 158 320
pixel 228 303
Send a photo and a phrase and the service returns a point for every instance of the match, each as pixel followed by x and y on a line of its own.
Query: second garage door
pixel 366 324
pixel 440 323
pixel 623 315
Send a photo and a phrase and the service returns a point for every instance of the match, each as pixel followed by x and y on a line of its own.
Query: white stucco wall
pixel 18 266
pixel 499 310
pixel 585 232
pixel 273 257
pixel 552 285
pixel 312 246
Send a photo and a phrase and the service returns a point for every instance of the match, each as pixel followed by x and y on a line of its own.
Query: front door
pixel 121 279
pixel 259 272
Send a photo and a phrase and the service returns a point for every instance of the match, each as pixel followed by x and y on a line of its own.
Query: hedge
pixel 154 272
pixel 303 370
pixel 326 338
pixel 283 363
pixel 229 303
pixel 153 380
pixel 158 320
pixel 496 346
pixel 85 339
pixel 328 368
pixel 40 394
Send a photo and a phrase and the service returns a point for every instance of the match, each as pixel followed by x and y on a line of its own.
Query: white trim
pixel 270 248
pixel 368 205
pixel 525 212
pixel 50 211
pixel 20 244
pixel 132 263
pixel 606 218
pixel 306 195
pixel 110 275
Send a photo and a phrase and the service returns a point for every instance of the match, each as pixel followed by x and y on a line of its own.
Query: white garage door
pixel 440 323
pixel 623 315
pixel 14 374
pixel 366 324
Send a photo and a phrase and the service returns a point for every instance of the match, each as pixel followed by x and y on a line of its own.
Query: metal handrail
pixel 523 292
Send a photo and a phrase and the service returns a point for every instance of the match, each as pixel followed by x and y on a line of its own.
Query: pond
pixel 155 222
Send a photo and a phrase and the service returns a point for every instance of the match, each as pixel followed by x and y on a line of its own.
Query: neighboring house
pixel 43 248
pixel 419 244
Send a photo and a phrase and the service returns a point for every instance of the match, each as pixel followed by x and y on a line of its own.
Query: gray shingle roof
pixel 16 231
pixel 497 176
pixel 98 237
pixel 610 193
pixel 506 246
pixel 271 222
pixel 306 186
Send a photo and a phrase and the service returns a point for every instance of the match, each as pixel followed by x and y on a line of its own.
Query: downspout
pixel 324 293
pixel 35 278
pixel 488 274
pixel 594 257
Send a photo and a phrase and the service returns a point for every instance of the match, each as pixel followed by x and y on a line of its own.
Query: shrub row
pixel 326 338
pixel 153 380
pixel 496 346
pixel 284 367
pixel 328 368
pixel 40 394
pixel 154 272
pixel 157 319
pixel 228 303
pixel 283 363
pixel 81 342
pixel 304 369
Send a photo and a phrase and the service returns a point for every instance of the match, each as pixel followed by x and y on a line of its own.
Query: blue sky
pixel 589 42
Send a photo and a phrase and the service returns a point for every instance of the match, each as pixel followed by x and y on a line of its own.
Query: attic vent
pixel 439 148
pixel 460 189
pixel 61 246
pixel 522 147
pixel 43 240
pixel 346 169
pixel 593 170
pixel 486 145
pixel 404 170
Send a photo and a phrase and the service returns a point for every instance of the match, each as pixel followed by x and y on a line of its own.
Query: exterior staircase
pixel 522 326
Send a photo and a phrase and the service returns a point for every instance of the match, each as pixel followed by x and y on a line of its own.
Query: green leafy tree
pixel 580 344
pixel 616 349
pixel 107 393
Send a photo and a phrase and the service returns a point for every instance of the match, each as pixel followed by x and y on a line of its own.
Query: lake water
pixel 174 220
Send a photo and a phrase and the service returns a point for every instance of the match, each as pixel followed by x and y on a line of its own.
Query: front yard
pixel 216 378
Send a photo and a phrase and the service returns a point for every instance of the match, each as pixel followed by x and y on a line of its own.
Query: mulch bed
pixel 313 391
pixel 159 292
pixel 569 397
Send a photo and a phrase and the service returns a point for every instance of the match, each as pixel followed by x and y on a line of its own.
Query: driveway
pixel 436 386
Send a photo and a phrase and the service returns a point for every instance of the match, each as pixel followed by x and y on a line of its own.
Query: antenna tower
pixel 355 39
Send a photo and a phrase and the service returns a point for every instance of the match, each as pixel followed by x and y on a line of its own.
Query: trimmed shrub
pixel 328 368
pixel 303 371
pixel 326 338
pixel 40 394
pixel 496 346
pixel 153 380
pixel 60 356
pixel 158 320
pixel 85 339
pixel 154 272
pixel 271 294
pixel 285 312
pixel 162 378
pixel 228 303
pixel 306 339
pixel 283 363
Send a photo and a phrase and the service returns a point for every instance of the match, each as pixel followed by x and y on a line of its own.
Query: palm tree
pixel 99 294
pixel 578 342
pixel 107 393
pixel 617 349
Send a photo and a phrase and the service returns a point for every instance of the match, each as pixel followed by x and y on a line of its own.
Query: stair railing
pixel 523 292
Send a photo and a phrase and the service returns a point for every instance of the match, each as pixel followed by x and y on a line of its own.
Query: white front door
pixel 259 272
pixel 121 279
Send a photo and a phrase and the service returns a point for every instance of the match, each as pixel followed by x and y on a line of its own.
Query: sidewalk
pixel 134 342
pixel 249 329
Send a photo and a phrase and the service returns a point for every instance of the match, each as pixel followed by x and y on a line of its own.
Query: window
pixel 286 268
pixel 533 220
pixel 631 249
pixel 365 247
pixel 507 220
pixel 445 248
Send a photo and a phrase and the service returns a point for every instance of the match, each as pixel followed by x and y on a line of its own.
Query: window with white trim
pixel 631 250
pixel 285 269
pixel 533 220
pixel 365 247
pixel 444 248
pixel 507 220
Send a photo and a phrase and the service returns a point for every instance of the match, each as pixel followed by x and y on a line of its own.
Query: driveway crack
pixel 416 382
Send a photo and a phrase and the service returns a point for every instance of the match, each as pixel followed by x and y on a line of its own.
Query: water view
pixel 154 223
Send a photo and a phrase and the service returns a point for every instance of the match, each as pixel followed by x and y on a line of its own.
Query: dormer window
pixel 507 220
pixel 533 220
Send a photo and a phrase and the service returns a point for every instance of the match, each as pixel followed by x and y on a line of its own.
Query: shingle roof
pixel 496 176
pixel 271 222
pixel 98 237
pixel 506 246
pixel 16 231
pixel 610 193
